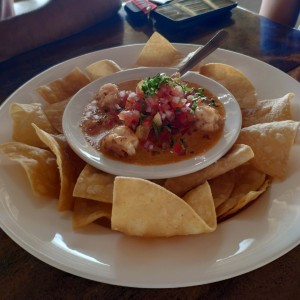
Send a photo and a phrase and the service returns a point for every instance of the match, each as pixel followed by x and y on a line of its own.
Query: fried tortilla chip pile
pixel 185 205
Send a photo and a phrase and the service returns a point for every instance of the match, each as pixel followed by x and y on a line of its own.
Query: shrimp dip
pixel 157 120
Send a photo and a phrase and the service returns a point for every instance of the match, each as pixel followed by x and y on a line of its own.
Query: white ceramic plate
pixel 261 233
pixel 74 110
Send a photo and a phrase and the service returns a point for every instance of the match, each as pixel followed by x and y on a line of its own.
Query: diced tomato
pixel 178 104
pixel 165 136
pixel 151 105
pixel 130 118
pixel 164 91
pixel 170 115
pixel 147 121
pixel 179 148
pixel 183 119
pixel 178 91
pixel 152 137
pixel 163 107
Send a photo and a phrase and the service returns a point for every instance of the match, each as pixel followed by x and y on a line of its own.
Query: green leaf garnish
pixel 194 104
pixel 185 88
pixel 213 103
pixel 151 84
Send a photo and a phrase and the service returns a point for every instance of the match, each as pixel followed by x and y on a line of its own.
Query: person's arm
pixel 282 11
pixel 55 20
pixel 6 9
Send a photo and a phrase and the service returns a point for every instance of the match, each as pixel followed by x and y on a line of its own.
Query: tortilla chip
pixel 238 155
pixel 54 113
pixel 158 52
pixel 222 187
pixel 94 184
pixel 143 208
pixel 68 175
pixel 269 110
pixel 201 200
pixel 248 179
pixel 271 144
pixel 40 167
pixel 23 115
pixel 63 88
pixel 245 200
pixel 87 211
pixel 234 80
pixel 102 68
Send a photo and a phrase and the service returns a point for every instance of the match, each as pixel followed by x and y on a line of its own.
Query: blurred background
pixel 22 6
pixel 252 5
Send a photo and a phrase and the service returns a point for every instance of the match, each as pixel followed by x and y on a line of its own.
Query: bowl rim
pixel 75 138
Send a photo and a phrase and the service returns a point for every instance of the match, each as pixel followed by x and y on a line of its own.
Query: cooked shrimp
pixel 108 95
pixel 120 140
pixel 207 118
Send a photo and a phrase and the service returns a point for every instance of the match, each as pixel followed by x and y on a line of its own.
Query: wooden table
pixel 23 276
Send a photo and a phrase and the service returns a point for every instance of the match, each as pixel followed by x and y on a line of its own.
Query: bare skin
pixel 282 11
pixel 53 21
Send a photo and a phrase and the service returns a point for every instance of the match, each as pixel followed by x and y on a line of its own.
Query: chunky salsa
pixel 158 120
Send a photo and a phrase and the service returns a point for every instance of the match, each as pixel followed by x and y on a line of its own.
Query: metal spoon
pixel 204 51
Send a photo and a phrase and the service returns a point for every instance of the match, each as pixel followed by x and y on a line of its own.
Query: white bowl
pixel 74 111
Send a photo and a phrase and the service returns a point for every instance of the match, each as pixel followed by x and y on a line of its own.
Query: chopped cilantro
pixel 212 103
pixel 194 104
pixel 198 96
pixel 185 88
pixel 200 91
pixel 152 84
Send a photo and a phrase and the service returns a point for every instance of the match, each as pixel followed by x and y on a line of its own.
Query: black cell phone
pixel 183 13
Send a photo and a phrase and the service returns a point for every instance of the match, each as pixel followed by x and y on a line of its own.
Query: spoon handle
pixel 204 51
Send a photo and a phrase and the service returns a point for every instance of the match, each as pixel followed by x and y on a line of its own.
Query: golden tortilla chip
pixel 23 115
pixel 222 187
pixel 67 171
pixel 269 110
pixel 248 179
pixel 234 80
pixel 40 167
pixel 143 208
pixel 94 184
pixel 236 156
pixel 102 68
pixel 54 113
pixel 63 88
pixel 201 200
pixel 245 200
pixel 87 211
pixel 158 52
pixel 271 144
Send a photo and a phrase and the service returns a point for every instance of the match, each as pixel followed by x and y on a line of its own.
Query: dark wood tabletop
pixel 23 276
